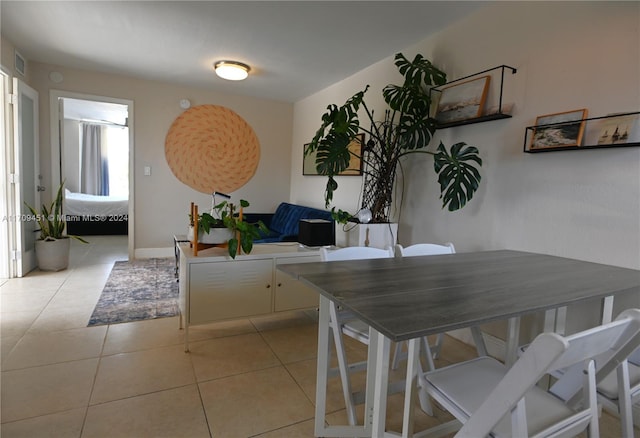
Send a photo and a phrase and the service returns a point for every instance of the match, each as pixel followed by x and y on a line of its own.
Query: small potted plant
pixel 53 245
pixel 225 224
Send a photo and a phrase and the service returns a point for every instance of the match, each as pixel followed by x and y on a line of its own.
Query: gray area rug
pixel 138 290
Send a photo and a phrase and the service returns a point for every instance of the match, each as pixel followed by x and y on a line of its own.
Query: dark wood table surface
pixel 410 297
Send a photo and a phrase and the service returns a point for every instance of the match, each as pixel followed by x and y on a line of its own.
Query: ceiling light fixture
pixel 232 70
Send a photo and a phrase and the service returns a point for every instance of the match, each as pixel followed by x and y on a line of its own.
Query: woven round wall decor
pixel 211 148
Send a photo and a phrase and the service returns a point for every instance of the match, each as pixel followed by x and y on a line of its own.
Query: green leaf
pixel 458 177
pixel 247 245
pixel 340 216
pixel 419 72
pixel 331 187
pixel 233 247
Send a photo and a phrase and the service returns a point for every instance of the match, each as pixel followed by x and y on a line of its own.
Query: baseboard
pixel 151 253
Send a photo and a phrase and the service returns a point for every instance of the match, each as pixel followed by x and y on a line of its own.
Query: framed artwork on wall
pixel 559 130
pixel 619 129
pixel 355 163
pixel 462 101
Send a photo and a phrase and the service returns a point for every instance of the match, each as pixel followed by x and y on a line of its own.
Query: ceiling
pixel 90 111
pixel 295 48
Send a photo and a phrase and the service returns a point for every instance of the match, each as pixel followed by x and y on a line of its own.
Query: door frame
pixel 6 268
pixel 54 111
pixel 20 228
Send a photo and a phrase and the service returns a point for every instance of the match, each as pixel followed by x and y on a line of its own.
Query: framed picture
pixel 355 163
pixel 559 130
pixel 619 129
pixel 462 101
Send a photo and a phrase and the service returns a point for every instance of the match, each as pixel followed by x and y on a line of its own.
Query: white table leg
pixel 383 346
pixel 323 366
pixel 186 337
pixel 410 391
pixel 322 377
pixel 478 339
pixel 550 321
pixel 607 309
pixel 513 338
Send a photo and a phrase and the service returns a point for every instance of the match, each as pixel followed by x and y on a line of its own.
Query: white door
pixel 26 174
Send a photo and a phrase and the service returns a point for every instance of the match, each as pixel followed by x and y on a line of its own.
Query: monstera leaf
pixel 413 96
pixel 458 177
pixel 404 128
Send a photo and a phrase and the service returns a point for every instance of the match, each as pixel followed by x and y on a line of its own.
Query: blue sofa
pixel 283 224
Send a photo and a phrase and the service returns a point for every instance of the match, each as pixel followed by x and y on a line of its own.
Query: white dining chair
pixel 343 322
pixel 429 352
pixel 618 392
pixel 487 397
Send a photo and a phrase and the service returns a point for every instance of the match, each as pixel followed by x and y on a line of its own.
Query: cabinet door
pixel 290 293
pixel 230 289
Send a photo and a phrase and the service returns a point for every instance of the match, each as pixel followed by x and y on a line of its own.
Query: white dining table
pixel 404 299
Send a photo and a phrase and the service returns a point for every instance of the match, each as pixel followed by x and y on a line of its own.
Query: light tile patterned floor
pixel 244 378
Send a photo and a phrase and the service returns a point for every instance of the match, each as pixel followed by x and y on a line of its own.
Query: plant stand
pixel 196 244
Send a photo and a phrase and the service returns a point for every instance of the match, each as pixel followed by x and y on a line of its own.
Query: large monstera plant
pixel 405 129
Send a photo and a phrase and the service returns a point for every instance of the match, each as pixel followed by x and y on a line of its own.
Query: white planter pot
pixel 215 235
pixel 374 235
pixel 53 255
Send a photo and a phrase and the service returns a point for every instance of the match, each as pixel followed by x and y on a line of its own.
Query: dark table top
pixel 411 297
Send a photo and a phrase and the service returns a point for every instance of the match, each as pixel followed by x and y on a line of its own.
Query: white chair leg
pixel 624 401
pixel 438 345
pixel 398 355
pixel 342 365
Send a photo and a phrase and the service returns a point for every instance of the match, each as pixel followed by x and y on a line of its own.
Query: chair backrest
pixel 420 249
pixel 354 253
pixel 611 343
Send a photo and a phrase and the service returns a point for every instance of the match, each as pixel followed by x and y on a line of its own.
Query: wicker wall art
pixel 211 148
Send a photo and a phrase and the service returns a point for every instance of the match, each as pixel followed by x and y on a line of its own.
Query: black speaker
pixel 316 232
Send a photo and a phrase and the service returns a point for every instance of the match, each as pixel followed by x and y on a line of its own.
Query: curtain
pixel 94 170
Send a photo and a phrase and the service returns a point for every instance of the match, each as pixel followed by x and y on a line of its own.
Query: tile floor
pixel 244 378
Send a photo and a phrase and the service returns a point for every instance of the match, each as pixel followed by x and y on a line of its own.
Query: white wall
pixel 569 55
pixel 161 200
pixel 71 155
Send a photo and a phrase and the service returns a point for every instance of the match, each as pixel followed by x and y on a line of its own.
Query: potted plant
pixel 406 128
pixel 229 226
pixel 53 245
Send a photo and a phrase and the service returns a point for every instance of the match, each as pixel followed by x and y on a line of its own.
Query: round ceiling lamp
pixel 232 70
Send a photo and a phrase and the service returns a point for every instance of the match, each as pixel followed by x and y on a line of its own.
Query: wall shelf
pixel 498 115
pixel 592 130
pixel 487 118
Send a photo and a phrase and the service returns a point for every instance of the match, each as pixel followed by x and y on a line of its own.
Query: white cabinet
pixel 290 293
pixel 229 290
pixel 215 287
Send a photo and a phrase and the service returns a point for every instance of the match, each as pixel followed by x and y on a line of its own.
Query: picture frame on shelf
pixel 618 129
pixel 462 101
pixel 559 130
pixel 355 162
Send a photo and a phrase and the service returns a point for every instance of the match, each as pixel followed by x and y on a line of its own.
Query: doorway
pixel 92 152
